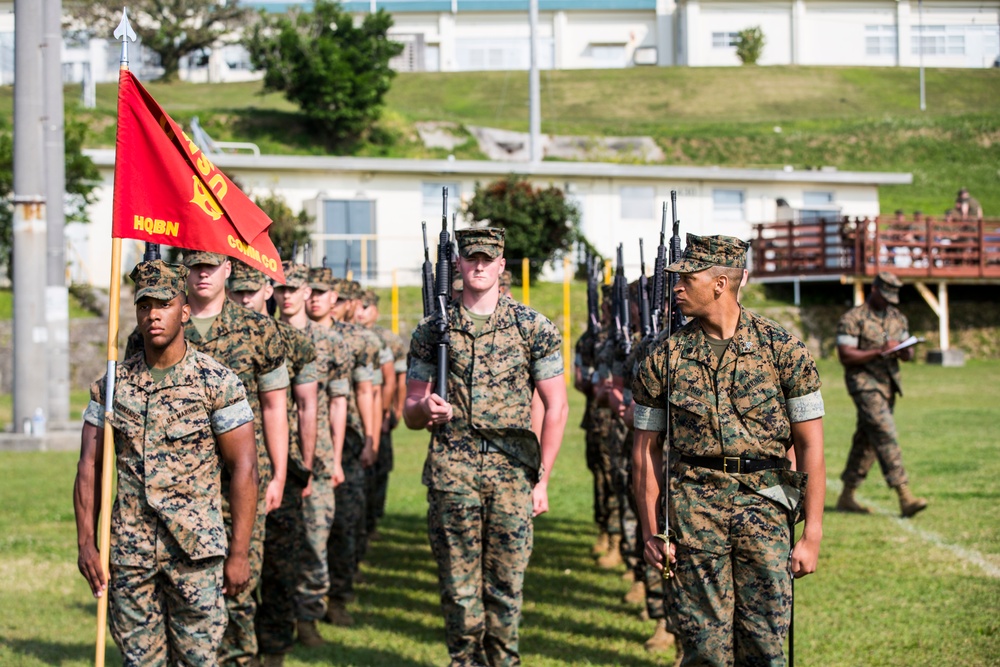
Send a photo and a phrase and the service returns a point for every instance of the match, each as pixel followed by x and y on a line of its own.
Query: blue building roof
pixel 519 6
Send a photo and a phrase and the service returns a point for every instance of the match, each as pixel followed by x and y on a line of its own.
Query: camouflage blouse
pixel 169 468
pixel 865 328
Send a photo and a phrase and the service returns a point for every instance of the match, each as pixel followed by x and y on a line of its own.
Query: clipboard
pixel 909 342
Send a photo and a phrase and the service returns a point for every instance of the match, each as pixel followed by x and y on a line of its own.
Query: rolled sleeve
pixel 272 380
pixel 547 367
pixel 649 419
pixel 362 374
pixel 421 370
pixel 400 365
pixel 231 416
pixel 309 373
pixel 385 356
pixel 94 414
pixel 341 387
pixel 806 408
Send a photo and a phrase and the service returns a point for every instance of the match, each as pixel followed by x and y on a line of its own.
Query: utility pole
pixel 56 292
pixel 30 328
pixel 534 97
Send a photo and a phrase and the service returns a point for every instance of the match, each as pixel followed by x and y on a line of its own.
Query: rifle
pixel 348 274
pixel 152 252
pixel 659 297
pixel 619 296
pixel 644 315
pixel 442 293
pixel 307 255
pixel 427 277
pixel 295 252
pixel 674 320
pixel 593 305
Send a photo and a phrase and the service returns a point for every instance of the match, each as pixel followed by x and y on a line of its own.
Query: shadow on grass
pixel 56 653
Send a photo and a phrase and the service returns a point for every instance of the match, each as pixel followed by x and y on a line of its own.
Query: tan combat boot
pixel 277 660
pixel 308 634
pixel 661 639
pixel 338 615
pixel 601 545
pixel 636 594
pixel 909 504
pixel 847 503
pixel 613 558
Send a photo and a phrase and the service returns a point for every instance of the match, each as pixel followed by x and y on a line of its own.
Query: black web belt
pixel 734 464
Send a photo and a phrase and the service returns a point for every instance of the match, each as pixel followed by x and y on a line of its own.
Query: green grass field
pixel 889 592
pixel 852 118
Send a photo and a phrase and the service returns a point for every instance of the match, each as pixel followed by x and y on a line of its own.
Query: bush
pixel 750 44
pixel 539 222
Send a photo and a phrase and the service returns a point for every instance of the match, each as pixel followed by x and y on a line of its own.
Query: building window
pixel 638 203
pixel 880 40
pixel 608 55
pixel 724 40
pixel 727 205
pixel 348 238
pixel 938 40
pixel 816 199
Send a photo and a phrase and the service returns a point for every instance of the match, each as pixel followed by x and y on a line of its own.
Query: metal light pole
pixel 56 292
pixel 30 328
pixel 920 41
pixel 534 97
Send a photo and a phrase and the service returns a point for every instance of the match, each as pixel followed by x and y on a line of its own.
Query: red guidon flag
pixel 168 191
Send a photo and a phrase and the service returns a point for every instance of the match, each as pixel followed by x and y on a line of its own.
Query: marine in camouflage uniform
pixel 396 356
pixel 334 363
pixel 173 429
pixel 736 404
pixel 863 334
pixel 598 440
pixel 624 541
pixel 584 369
pixel 249 344
pixel 348 520
pixel 485 471
pixel 284 527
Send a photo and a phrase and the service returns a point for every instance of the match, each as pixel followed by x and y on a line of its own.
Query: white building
pixel 469 35
pixel 372 207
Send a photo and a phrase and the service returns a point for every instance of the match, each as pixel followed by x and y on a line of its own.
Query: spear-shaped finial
pixel 124 32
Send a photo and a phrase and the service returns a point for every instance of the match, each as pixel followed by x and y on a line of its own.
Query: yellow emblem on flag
pixel 204 199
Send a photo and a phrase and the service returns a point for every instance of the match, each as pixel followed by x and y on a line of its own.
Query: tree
pixel 539 222
pixel 287 229
pixel 81 179
pixel 750 44
pixel 337 72
pixel 170 28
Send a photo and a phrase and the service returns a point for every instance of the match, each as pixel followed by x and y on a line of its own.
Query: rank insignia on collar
pixel 747 346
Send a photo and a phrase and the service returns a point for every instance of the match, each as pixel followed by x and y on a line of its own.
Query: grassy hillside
pixel 851 118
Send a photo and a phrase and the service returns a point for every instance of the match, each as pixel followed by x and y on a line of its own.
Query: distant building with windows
pixel 370 209
pixel 476 35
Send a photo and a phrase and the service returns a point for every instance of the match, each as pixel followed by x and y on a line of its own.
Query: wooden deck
pixel 922 247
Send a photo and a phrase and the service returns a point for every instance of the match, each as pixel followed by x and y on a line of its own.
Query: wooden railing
pixel 918 247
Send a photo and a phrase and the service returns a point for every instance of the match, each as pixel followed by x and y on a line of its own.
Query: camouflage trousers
pixel 314 573
pixel 482 542
pixel 239 644
pixel 379 481
pixel 874 439
pixel 169 612
pixel 283 543
pixel 348 527
pixel 620 446
pixel 733 607
pixel 599 435
pixel 602 484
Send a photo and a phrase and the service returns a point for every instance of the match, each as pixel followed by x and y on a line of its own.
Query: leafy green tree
pixel 170 28
pixel 539 222
pixel 287 229
pixel 750 44
pixel 81 179
pixel 337 72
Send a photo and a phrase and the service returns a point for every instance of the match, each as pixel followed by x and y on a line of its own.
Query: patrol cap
pixel 296 275
pixel 369 298
pixel 245 278
pixel 487 240
pixel 888 286
pixel 505 279
pixel 158 280
pixel 703 252
pixel 355 290
pixel 321 278
pixel 195 257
